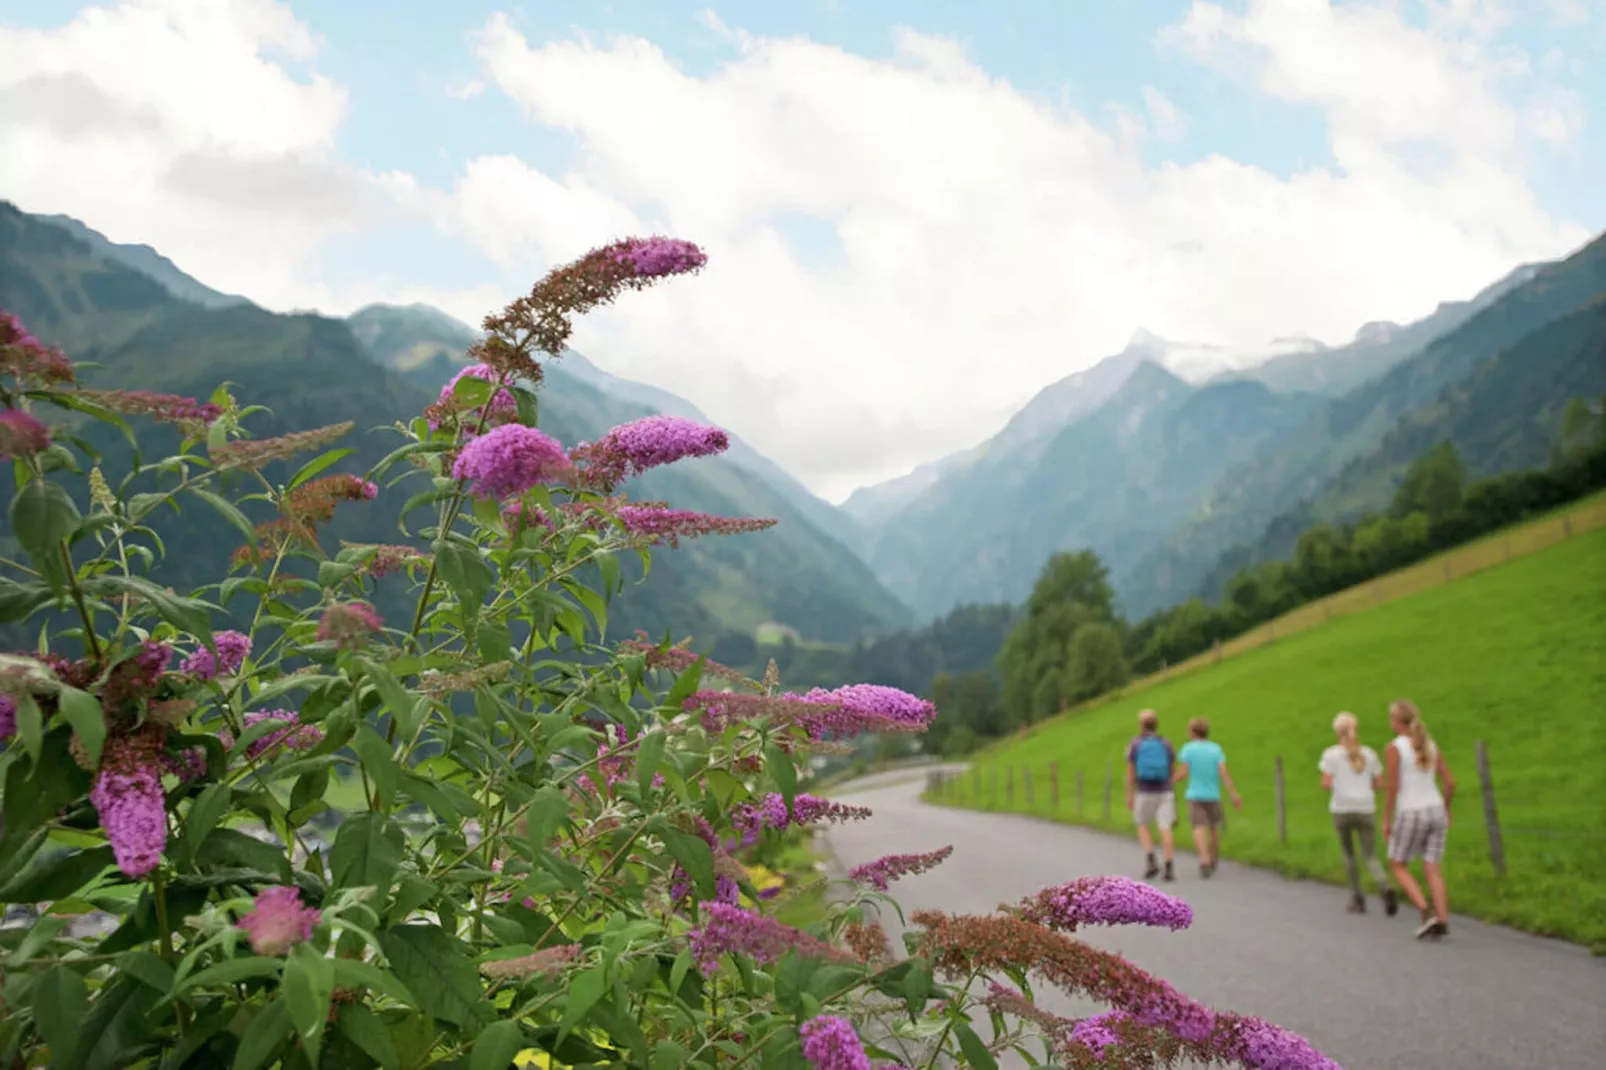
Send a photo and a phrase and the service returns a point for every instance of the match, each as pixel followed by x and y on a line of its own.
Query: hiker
pixel 1416 814
pixel 1149 795
pixel 1353 773
pixel 1203 764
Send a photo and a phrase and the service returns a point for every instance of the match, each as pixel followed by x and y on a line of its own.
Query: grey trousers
pixel 1364 828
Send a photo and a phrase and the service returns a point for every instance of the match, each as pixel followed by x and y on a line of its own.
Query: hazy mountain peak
pixel 147 261
pixel 1377 332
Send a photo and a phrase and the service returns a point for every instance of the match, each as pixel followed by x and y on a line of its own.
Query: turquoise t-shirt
pixel 1203 759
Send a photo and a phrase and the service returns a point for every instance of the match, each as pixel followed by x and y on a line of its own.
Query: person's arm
pixel 1226 778
pixel 1377 772
pixel 1391 764
pixel 1179 769
pixel 1446 782
pixel 1131 778
pixel 1327 775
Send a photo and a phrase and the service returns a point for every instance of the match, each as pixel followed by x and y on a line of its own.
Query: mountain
pixel 146 261
pixel 407 337
pixel 1377 346
pixel 1302 463
pixel 311 370
pixel 1115 477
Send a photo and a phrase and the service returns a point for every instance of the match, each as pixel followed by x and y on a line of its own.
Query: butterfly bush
pixel 262 826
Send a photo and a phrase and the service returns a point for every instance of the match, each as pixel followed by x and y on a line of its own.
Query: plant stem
pixel 83 607
pixel 159 890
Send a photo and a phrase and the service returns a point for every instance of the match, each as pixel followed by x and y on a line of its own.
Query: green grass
pixel 1513 655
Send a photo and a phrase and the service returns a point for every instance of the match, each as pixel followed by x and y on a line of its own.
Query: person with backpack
pixel 1353 773
pixel 1150 797
pixel 1416 816
pixel 1203 764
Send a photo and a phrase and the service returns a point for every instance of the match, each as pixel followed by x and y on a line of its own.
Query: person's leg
pixel 1215 837
pixel 1199 822
pixel 1345 825
pixel 1168 824
pixel 1366 828
pixel 1402 847
pixel 1143 812
pixel 1436 887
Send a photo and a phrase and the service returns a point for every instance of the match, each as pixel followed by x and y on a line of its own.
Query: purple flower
pixel 640 445
pixel 1262 1046
pixel 127 794
pixel 870 704
pixel 296 736
pixel 21 435
pixel 510 460
pixel 655 257
pixel 504 406
pixel 278 921
pixel 1096 1034
pixel 730 929
pixel 1106 901
pixel 349 624
pixel 770 812
pixel 232 649
pixel 8 717
pixel 829 1043
pixel 665 525
pixel 881 872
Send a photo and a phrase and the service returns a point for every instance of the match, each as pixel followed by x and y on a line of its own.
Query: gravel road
pixel 1360 988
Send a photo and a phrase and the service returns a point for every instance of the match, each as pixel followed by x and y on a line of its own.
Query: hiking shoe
pixel 1430 926
pixel 1357 904
pixel 1152 870
pixel 1391 902
pixel 1205 869
pixel 1170 873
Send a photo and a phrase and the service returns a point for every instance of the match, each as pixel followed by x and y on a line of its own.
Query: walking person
pixel 1416 815
pixel 1150 762
pixel 1203 764
pixel 1353 773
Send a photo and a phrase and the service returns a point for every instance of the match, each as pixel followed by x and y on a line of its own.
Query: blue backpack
pixel 1153 760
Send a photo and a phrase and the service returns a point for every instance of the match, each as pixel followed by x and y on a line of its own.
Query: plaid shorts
pixel 1419 834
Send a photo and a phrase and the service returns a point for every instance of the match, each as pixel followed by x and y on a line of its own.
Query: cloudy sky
pixel 918 213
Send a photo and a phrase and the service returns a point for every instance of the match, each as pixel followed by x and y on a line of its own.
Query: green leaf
pixel 464 570
pixel 917 986
pixel 976 1053
pixel 60 1005
pixel 155 971
pixel 548 810
pixel 318 464
pixel 230 847
pixel 429 793
pixel 229 971
pixel 204 814
pixel 83 711
pixel 30 725
pixel 496 1046
pixel 42 517
pixel 436 968
pixel 785 773
pixel 686 684
pixel 379 762
pixel 186 614
pixel 332 573
pixel 263 1037
pixel 471 391
pixel 529 407
pixel 402 703
pixel 354 973
pixel 494 640
pixel 227 511
pixel 18 601
pixel 649 752
pixel 695 856
pixel 59 877
pixel 366 852
pixel 668 1055
pixel 367 1031
pixel 584 991
pixel 309 983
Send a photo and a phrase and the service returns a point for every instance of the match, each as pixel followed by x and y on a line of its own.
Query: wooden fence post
pixel 992 785
pixel 1109 786
pixel 1031 796
pixel 1491 816
pixel 1054 786
pixel 1377 593
pixel 1079 806
pixel 1282 809
pixel 1446 570
pixel 975 781
pixel 1271 632
pixel 1567 526
pixel 1508 547
pixel 1009 785
pixel 1215 645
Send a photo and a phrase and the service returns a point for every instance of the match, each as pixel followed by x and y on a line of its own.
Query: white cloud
pixel 1169 123
pixel 466 90
pixel 167 122
pixel 989 243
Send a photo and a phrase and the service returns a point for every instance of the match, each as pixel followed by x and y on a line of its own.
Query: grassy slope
pixel 1512 655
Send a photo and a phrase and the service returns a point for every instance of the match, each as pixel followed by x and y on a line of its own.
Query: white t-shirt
pixel 1352 791
pixel 1419 788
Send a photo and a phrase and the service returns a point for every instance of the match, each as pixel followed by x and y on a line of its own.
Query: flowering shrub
pixel 318 837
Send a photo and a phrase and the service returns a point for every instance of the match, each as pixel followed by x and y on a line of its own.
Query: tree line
pixel 1069 643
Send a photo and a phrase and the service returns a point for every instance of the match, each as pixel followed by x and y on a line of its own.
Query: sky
pixel 917 213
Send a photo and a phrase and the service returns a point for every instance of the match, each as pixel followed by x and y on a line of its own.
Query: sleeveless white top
pixel 1419 789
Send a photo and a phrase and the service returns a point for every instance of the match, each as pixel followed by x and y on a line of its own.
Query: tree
pixel 1433 485
pixel 1096 662
pixel 1072 591
pixel 1322 561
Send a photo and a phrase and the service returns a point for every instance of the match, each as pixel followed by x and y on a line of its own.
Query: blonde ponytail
pixel 1345 726
pixel 1410 719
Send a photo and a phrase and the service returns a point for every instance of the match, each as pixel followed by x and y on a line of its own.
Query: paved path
pixel 1360 988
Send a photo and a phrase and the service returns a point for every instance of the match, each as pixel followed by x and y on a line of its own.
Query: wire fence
pixel 1097 796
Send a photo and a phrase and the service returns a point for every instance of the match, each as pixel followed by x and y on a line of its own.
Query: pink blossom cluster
pixel 751 818
pixel 21 435
pixel 232 650
pixel 23 357
pixel 294 736
pixel 730 929
pixel 163 408
pixel 509 460
pixel 504 406
pixel 836 714
pixel 650 442
pixel 8 717
pixel 349 625
pixel 614 767
pixel 829 1043
pixel 665 525
pixel 881 872
pixel 278 920
pixel 657 256
pixel 127 794
pixel 136 676
pixel 1106 901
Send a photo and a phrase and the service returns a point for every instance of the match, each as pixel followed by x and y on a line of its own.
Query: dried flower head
pixel 547 962
pixel 278 920
pixel 438 684
pixel 259 453
pixel 349 625
pixel 677 659
pixel 729 929
pixel 21 435
pixel 26 359
pixel 164 408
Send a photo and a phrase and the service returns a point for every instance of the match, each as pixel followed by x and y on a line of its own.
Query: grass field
pixel 1513 655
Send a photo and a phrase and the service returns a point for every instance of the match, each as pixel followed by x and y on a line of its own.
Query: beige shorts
pixel 1155 807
